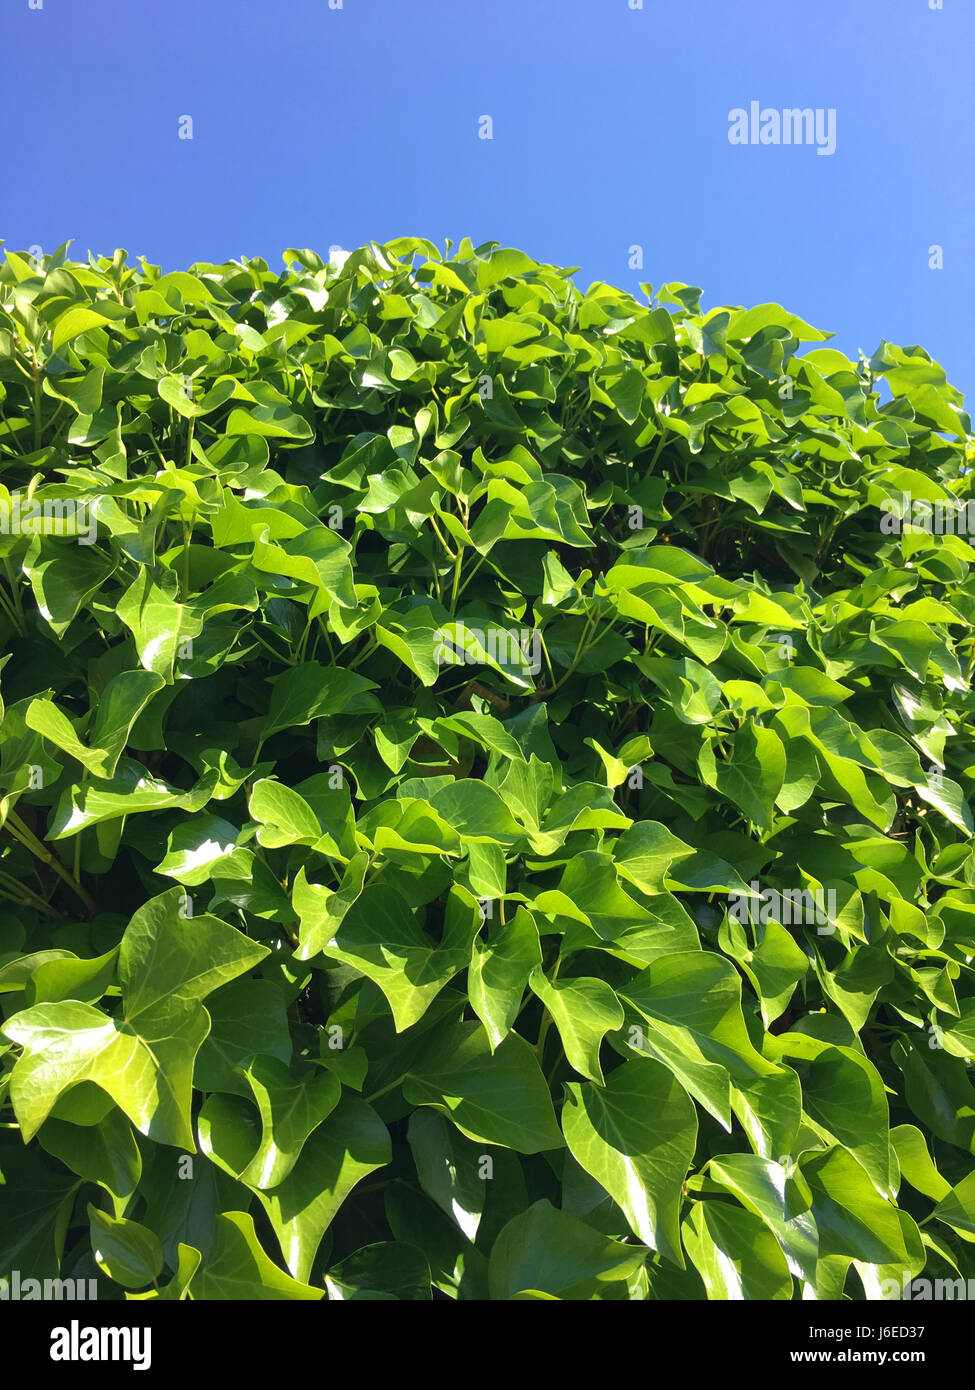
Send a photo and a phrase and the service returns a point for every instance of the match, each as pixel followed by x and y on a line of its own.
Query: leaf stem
pixel 546 1020
pixel 454 591
pixel 10 433
pixel 14 609
pixel 76 862
pixel 30 841
pixel 383 1089
pixel 589 630
pixel 328 640
pixel 38 423
pixel 471 573
pixel 187 537
pixel 440 538
pixel 18 893
pixel 367 650
pixel 15 591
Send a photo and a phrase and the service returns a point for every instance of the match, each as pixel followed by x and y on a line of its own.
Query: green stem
pixel 266 645
pixel 373 867
pixel 440 538
pixel 38 424
pixel 187 536
pixel 471 573
pixel 367 650
pixel 30 841
pixel 660 444
pixel 548 660
pixel 76 862
pixel 589 630
pixel 57 412
pixel 11 612
pixel 15 591
pixel 383 1089
pixel 454 591
pixel 328 639
pixel 546 1020
pixel 23 897
pixel 11 437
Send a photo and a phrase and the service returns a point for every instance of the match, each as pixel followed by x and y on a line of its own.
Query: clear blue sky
pixel 315 126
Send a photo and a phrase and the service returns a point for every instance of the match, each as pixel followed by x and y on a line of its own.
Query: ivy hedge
pixel 485 788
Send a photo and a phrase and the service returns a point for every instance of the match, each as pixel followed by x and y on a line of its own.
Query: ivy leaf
pixel 128 1253
pixel 584 1010
pixel 735 1255
pixel 497 1097
pixel 379 936
pixel 499 971
pixel 636 1135
pixel 386 1270
pixel 545 1251
pixel 236 1267
pixel 290 1110
pixel 143 1058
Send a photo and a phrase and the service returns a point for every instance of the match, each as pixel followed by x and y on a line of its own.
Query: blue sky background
pixel 315 127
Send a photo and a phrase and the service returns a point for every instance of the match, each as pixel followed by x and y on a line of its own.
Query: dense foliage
pixel 350 949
